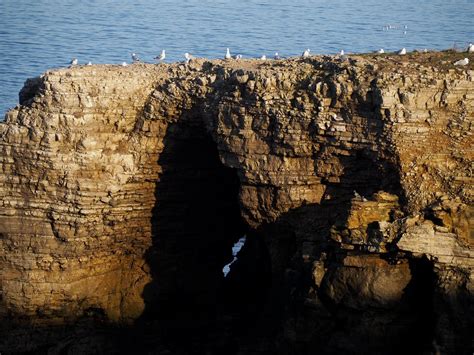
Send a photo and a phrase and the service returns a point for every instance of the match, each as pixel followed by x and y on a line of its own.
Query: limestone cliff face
pixel 124 187
pixel 75 209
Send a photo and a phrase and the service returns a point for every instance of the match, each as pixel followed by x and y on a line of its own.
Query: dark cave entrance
pixel 196 221
pixel 246 292
pixel 418 307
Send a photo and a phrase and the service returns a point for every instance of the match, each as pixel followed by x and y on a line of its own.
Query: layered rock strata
pixel 123 189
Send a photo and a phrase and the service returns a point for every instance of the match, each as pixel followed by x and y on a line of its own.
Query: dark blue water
pixel 40 34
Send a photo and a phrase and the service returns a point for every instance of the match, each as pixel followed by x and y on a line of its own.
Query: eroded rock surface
pixel 124 188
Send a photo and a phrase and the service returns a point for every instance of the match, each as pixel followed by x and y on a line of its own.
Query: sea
pixel 36 35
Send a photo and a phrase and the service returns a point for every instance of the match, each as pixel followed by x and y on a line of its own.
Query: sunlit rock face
pixel 124 189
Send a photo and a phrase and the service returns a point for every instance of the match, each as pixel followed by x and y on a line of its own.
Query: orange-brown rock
pixel 350 171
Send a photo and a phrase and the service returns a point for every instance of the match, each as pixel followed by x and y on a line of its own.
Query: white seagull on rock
pixel 237 57
pixel 470 48
pixel 402 51
pixel 73 62
pixel 90 63
pixel 381 51
pixel 124 64
pixel 188 57
pixel 277 56
pixel 462 62
pixel 263 57
pixel 341 52
pixel 306 53
pixel 162 56
pixel 135 58
pixel 227 54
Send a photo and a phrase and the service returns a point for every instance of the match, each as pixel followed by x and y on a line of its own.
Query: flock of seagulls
pixel 395 27
pixel 306 53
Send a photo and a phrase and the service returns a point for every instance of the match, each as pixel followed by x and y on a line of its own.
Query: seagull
pixel 402 51
pixel 425 50
pixel 276 56
pixel 73 62
pixel 381 51
pixel 237 57
pixel 162 56
pixel 124 64
pixel 263 57
pixel 227 54
pixel 135 58
pixel 306 53
pixel 90 63
pixel 462 62
pixel 188 57
pixel 341 52
pixel 470 48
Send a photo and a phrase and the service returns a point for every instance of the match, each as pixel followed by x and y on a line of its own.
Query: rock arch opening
pixel 196 221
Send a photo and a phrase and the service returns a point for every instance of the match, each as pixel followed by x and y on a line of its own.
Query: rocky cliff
pixel 124 188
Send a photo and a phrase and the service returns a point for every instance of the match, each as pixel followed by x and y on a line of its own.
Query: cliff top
pixel 442 61
pixel 424 66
